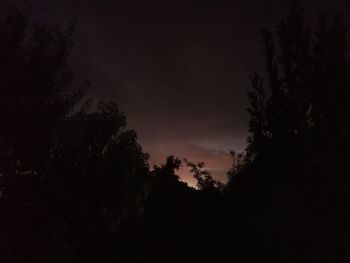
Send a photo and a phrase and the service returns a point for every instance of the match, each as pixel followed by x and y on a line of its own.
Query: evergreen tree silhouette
pixel 297 159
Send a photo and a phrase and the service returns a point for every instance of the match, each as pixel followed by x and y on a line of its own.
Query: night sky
pixel 178 69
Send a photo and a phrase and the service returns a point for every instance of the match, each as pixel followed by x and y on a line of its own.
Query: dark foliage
pixel 75 185
pixel 69 176
pixel 295 175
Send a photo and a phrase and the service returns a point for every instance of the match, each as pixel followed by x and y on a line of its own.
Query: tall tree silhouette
pixel 36 94
pixel 69 176
pixel 299 143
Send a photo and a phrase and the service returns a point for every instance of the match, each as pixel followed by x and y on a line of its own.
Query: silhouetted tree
pixel 36 94
pixel 204 179
pixel 298 151
pixel 69 177
pixel 166 172
pixel 180 224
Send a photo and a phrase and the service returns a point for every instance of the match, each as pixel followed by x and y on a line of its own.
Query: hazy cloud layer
pixel 179 69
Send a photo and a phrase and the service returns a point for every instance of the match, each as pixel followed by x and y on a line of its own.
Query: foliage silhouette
pixel 75 185
pixel 204 179
pixel 297 159
pixel 69 176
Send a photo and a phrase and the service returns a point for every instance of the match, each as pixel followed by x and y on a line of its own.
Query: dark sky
pixel 179 69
